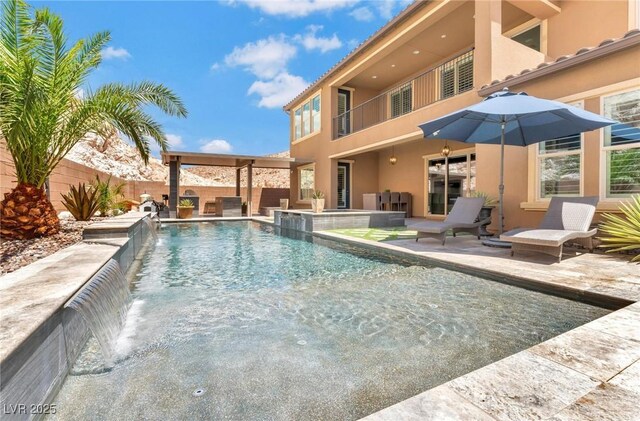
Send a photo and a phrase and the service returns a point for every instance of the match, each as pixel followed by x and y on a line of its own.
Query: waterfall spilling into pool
pixel 103 303
pixel 152 227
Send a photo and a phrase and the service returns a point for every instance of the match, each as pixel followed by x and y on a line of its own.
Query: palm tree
pixel 42 115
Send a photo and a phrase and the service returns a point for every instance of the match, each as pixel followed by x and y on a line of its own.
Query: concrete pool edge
pixel 39 338
pixel 556 377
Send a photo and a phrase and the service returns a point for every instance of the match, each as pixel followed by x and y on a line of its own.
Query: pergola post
pixel 238 181
pixel 249 188
pixel 174 187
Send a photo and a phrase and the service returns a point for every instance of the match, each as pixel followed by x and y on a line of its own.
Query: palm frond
pixel 41 116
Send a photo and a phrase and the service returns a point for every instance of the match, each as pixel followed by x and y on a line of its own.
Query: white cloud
pixel 215 66
pixel 279 90
pixel 265 58
pixel 174 142
pixel 110 53
pixel 216 146
pixel 386 7
pixel 353 43
pixel 297 8
pixel 312 42
pixel 363 14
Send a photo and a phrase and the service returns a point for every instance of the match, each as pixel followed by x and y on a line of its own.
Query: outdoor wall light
pixel 446 150
pixel 393 160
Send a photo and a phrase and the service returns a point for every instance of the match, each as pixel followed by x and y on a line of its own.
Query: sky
pixel 234 63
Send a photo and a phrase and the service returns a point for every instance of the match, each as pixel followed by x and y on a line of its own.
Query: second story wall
pixel 585 24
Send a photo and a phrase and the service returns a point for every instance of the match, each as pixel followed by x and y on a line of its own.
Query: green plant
pixel 186 203
pixel 109 197
pixel 82 202
pixel 488 200
pixel 317 195
pixel 623 233
pixel 42 114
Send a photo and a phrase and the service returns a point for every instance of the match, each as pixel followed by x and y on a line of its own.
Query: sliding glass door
pixel 448 179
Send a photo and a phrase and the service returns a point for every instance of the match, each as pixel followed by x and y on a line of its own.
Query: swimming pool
pixel 231 321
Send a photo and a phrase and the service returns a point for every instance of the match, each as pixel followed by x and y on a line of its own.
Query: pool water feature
pixel 268 327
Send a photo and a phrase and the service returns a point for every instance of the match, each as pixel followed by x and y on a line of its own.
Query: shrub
pixel 109 197
pixel 317 195
pixel 81 202
pixel 623 232
pixel 488 200
pixel 186 203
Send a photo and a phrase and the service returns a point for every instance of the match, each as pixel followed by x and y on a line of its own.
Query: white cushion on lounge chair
pixel 544 237
pixel 567 218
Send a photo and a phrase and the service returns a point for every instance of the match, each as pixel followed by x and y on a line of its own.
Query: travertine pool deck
pixel 589 373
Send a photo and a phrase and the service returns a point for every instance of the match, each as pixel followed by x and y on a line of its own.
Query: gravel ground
pixel 15 254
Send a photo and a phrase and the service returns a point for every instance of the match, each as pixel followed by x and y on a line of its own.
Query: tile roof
pixel 607 46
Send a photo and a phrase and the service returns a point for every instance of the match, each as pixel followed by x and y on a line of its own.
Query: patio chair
pixel 463 217
pixel 567 219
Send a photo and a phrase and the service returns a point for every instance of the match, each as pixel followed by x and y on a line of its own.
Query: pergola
pixel 174 159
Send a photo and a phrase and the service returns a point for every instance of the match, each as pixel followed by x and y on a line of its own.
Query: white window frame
pixel 312 130
pixel 300 169
pixel 539 157
pixel 604 149
pixel 454 154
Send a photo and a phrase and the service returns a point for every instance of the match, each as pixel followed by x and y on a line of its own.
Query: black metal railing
pixel 441 82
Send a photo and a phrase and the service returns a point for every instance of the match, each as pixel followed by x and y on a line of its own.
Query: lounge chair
pixel 463 217
pixel 568 218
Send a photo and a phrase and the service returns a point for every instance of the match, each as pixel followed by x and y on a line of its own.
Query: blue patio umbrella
pixel 508 118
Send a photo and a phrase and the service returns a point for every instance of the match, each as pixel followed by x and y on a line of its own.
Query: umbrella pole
pixel 501 186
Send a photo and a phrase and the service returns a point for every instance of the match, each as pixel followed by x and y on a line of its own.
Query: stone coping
pixel 32 294
pixel 118 223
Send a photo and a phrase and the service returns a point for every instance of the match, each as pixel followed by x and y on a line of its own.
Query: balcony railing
pixel 441 82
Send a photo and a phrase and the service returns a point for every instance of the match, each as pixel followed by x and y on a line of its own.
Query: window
pixel 401 102
pixel 529 38
pixel 307 118
pixel 306 180
pixel 559 166
pixel 621 144
pixel 456 76
pixel 298 123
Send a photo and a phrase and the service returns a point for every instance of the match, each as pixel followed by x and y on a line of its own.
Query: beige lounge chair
pixel 568 218
pixel 462 218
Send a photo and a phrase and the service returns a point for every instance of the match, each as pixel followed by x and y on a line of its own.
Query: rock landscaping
pixel 15 254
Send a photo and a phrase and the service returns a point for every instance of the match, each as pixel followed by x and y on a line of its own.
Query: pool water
pixel 231 321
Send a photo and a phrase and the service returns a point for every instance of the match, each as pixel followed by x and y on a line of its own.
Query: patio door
pixel 449 179
pixel 344 185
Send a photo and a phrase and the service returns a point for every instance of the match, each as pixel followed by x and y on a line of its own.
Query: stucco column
pixel 174 187
pixel 488 26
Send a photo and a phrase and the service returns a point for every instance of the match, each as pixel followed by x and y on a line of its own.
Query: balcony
pixel 444 81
